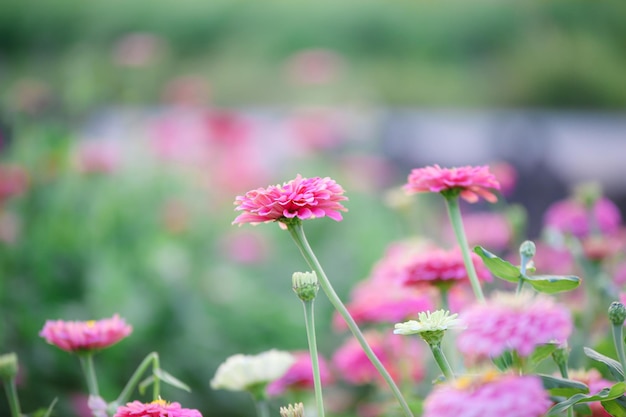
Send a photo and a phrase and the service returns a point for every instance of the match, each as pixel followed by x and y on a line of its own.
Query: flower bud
pixel 8 366
pixel 617 313
pixel 305 285
pixel 296 410
pixel 528 249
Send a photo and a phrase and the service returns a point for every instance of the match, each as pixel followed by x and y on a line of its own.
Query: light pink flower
pixel 300 375
pixel 510 322
pixel 98 157
pixel 571 216
pixel 593 379
pixel 302 198
pixel 619 274
pixel 76 336
pixel 158 408
pixel 506 175
pixel 401 356
pixel 375 301
pixel 392 267
pixel 489 396
pixel 438 266
pixel 13 181
pixel 471 182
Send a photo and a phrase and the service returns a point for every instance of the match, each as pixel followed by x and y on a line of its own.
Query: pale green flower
pixel 437 321
pixel 305 285
pixel 248 372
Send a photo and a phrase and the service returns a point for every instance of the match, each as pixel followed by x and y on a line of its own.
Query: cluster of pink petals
pixel 300 375
pixel 74 336
pixel 376 301
pixel 472 182
pixel 438 265
pixel 571 216
pixel 509 322
pixel 302 198
pixel 401 356
pixel 504 395
pixel 157 408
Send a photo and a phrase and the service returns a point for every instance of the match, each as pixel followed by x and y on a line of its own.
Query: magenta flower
pixel 300 375
pixel 302 198
pixel 376 301
pixel 509 322
pixel 470 182
pixel 441 266
pixel 158 408
pixel 401 356
pixel 79 336
pixel 571 216
pixel 489 395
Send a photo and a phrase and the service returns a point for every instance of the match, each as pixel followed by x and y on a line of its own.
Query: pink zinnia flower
pixel 401 356
pixel 375 301
pixel 75 336
pixel 302 198
pixel 510 322
pixel 470 182
pixel 571 216
pixel 300 375
pixel 441 266
pixel 158 408
pixel 489 395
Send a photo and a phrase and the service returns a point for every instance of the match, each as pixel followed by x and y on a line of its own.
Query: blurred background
pixel 128 128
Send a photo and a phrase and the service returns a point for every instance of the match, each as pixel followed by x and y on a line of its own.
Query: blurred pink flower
pixel 619 274
pixel 471 182
pixel 600 247
pixel 375 301
pixel 571 216
pixel 187 90
pixel 441 266
pixel 244 247
pixel 593 379
pixel 402 357
pixel 552 260
pixel 10 227
pixel 489 395
pixel 302 198
pixel 513 322
pixel 300 375
pixel 158 408
pixel 77 336
pixel 97 157
pixel 314 66
pixel 137 50
pixel 488 229
pixel 506 175
pixel 392 267
pixel 14 181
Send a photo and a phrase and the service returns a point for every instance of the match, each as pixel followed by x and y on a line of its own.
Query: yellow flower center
pixel 160 402
pixel 91 323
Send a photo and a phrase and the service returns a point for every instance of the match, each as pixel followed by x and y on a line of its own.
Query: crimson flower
pixel 75 336
pixel 470 182
pixel 302 198
pixel 158 408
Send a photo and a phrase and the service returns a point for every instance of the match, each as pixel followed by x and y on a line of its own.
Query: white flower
pixel 296 410
pixel 439 320
pixel 241 372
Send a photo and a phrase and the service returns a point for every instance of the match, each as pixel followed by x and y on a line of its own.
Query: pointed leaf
pixel 49 410
pixel 504 361
pixel 541 352
pixel 614 366
pixel 606 394
pixel 551 284
pixel 616 407
pixel 563 387
pixel 498 266
pixel 143 385
pixel 171 380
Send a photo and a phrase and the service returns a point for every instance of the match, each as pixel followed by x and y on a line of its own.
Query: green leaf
pixel 614 366
pixel 498 266
pixel 551 284
pixel 171 380
pixel 616 407
pixel 143 385
pixel 563 387
pixel 504 361
pixel 541 352
pixel 606 394
pixel 49 410
pixel 44 412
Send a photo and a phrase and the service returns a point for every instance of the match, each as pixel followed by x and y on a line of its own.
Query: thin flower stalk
pixel 86 363
pixel 297 233
pixel 442 362
pixel 14 402
pixel 618 340
pixel 309 319
pixel 454 212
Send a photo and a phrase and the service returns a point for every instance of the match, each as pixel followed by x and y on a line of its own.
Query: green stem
pixel 297 233
pixel 135 378
pixel 86 362
pixel 454 212
pixel 309 319
pixel 619 345
pixel 441 360
pixel 14 402
pixel 262 408
pixel 156 387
